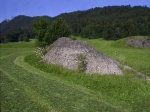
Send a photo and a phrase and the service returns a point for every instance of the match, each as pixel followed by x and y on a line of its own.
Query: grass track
pixel 64 97
pixel 29 93
pixel 19 61
pixel 28 89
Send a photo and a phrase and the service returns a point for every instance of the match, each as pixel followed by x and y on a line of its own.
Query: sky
pixel 12 8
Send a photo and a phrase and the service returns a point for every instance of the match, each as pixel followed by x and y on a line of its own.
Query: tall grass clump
pixel 82 64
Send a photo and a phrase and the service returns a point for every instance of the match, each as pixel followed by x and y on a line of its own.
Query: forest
pixel 109 23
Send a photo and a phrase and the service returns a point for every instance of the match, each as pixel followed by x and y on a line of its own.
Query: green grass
pixel 120 89
pixel 18 45
pixel 28 84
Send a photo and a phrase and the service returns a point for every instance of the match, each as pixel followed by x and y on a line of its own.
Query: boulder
pixel 139 42
pixel 76 54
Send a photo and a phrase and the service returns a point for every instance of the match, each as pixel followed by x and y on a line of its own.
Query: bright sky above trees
pixel 12 8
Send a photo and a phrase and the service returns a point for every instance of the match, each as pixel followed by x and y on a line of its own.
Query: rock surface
pixel 139 42
pixel 66 52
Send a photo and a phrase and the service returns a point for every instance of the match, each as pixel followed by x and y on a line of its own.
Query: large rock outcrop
pixel 72 53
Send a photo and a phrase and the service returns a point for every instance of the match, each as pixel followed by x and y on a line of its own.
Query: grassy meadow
pixel 30 85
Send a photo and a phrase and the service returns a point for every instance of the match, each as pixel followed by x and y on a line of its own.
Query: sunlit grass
pixel 17 45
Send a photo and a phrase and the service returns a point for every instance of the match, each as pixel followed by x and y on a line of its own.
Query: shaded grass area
pixel 126 89
pixel 18 45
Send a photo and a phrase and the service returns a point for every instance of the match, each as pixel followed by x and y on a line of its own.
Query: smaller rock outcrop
pixel 139 42
pixel 75 54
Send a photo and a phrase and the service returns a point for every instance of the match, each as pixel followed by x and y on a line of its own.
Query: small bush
pixel 81 62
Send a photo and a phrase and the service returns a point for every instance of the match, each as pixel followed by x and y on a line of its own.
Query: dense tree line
pixel 20 28
pixel 15 35
pixel 111 22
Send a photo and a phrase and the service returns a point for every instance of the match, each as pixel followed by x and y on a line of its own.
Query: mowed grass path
pixel 26 88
